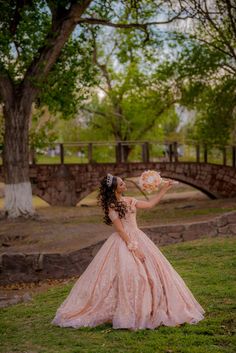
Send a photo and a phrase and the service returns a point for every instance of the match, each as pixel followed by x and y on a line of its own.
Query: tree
pixel 213 87
pixel 133 109
pixel 204 68
pixel 134 106
pixel 33 35
pixel 214 24
pixel 215 118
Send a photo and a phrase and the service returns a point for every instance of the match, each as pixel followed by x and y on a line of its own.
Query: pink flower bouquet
pixel 150 181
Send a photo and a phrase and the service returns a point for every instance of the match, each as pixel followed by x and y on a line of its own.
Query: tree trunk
pixel 18 193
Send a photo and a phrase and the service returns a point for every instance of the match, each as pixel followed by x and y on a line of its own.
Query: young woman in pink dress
pixel 129 283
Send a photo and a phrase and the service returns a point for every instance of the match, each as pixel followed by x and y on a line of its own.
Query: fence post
pixel 90 152
pixel 118 152
pixel 176 151
pixel 62 153
pixel 224 156
pixel 197 153
pixel 33 159
pixel 145 152
pixel 122 153
pixel 234 156
pixel 170 152
pixel 205 153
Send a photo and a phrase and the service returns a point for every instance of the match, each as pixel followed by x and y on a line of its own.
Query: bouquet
pixel 150 181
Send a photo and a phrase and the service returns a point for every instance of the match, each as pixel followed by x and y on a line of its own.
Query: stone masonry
pixel 67 184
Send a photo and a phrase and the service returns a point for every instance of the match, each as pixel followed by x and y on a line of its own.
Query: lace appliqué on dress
pixel 131 204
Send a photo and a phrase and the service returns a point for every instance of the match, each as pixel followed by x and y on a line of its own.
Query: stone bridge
pixel 67 184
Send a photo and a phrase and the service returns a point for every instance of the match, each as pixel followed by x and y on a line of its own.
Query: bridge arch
pixel 182 180
pixel 67 184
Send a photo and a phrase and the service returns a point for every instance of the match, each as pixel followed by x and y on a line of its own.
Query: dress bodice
pixel 129 221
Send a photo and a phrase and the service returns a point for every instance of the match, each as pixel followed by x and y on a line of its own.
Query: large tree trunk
pixel 18 193
pixel 18 99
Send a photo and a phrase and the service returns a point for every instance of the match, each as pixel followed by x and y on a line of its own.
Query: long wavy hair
pixel 107 198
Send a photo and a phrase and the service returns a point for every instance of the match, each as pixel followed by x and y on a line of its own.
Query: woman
pixel 129 283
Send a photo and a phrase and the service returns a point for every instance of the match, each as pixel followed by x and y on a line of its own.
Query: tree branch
pixel 17 15
pixel 142 26
pixel 103 89
pixel 204 15
pixel 153 121
pixel 62 27
pixel 210 44
pixel 113 126
pixel 231 16
pixel 95 112
pixel 230 69
pixel 53 8
pixel 102 67
pixel 102 113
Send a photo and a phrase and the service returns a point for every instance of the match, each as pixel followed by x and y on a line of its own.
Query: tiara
pixel 109 180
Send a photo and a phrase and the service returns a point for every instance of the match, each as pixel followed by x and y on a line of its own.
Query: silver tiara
pixel 109 180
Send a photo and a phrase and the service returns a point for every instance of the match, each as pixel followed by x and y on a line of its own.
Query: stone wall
pixel 21 267
pixel 67 184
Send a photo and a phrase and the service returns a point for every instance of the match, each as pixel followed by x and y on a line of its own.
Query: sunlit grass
pixel 165 215
pixel 208 268
pixel 37 202
pixel 56 160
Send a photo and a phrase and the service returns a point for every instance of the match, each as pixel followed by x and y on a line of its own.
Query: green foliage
pixel 210 91
pixel 42 130
pixel 216 116
pixel 136 105
pixel 68 83
pixel 205 86
pixel 68 131
pixel 149 69
pixel 21 38
pixel 207 266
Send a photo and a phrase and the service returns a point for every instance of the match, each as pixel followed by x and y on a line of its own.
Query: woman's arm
pixel 156 199
pixel 120 230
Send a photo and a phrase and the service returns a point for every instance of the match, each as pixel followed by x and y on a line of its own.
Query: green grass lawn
pixel 206 265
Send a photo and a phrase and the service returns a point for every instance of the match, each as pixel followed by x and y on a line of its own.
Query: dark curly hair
pixel 107 198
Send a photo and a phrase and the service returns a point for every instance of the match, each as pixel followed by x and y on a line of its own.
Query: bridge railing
pixel 133 151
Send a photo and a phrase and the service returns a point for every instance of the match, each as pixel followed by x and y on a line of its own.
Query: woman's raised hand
pixel 167 184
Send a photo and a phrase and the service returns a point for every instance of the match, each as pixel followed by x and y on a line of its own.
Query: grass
pixel 110 158
pixel 158 216
pixel 206 265
pixel 174 215
pixel 167 212
pixel 37 202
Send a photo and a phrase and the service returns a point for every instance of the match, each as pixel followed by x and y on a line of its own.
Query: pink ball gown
pixel 119 289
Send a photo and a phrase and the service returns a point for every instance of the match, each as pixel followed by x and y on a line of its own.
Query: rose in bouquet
pixel 150 181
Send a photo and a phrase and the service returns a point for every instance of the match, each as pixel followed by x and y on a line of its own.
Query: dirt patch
pixel 64 229
pixel 22 292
